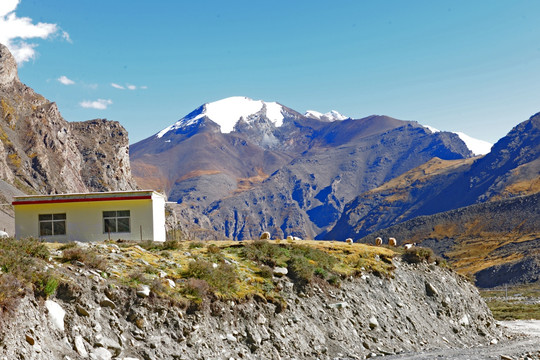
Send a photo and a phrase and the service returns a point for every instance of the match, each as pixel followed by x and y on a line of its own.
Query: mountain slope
pixel 289 174
pixel 512 168
pixel 497 242
pixel 40 152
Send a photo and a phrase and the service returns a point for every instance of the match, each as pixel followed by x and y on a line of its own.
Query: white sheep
pixel 296 238
pixel 349 241
pixel 408 246
pixel 3 234
pixel 392 241
pixel 378 241
pixel 265 236
pixel 290 238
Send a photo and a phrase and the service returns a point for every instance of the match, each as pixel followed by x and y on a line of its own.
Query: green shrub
pixel 417 255
pixel 171 245
pixel 266 253
pixel 212 249
pixel 87 256
pixel 265 272
pixel 301 270
pixel 45 284
pixel 334 280
pixel 196 244
pixel 222 277
pixel 320 272
pixel 196 288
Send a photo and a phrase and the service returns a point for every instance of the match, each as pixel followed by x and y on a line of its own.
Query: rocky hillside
pixel 40 152
pixel 512 168
pixel 277 170
pixel 495 242
pixel 124 301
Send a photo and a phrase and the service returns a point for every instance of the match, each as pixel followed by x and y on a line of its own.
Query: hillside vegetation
pixel 252 299
pixel 187 272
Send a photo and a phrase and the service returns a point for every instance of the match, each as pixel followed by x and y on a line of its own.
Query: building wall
pixel 84 220
pixel 158 211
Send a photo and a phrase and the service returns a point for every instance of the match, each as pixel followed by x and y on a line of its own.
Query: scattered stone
pixel 504 357
pixel 101 354
pixel 373 323
pixel 339 305
pixel 79 346
pixel 30 339
pixel 56 314
pixel 143 291
pixel 464 321
pixel 107 303
pixel 81 311
pixel 430 290
pixel 280 271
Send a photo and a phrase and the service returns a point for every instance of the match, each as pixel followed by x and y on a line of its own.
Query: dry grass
pixel 245 184
pixel 232 270
pixel 520 302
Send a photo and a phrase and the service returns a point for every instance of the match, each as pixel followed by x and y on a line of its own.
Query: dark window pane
pixel 45 217
pixel 109 225
pixel 123 225
pixel 59 216
pixel 45 228
pixel 122 213
pixel 109 214
pixel 59 228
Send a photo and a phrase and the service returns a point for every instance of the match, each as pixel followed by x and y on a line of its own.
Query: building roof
pixel 86 197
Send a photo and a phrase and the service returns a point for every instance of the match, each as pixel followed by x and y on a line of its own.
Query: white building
pixel 127 215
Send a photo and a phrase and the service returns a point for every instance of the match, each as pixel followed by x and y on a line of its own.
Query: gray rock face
pixel 8 66
pixel 40 152
pixel 367 315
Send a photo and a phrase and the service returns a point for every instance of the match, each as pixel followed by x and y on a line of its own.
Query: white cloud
pixel 15 30
pixel 65 80
pixel 131 87
pixel 144 87
pixel 100 104
pixel 116 86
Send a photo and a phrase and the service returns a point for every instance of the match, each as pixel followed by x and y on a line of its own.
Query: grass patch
pixel 23 269
pixel 88 257
pixel 513 310
pixel 221 277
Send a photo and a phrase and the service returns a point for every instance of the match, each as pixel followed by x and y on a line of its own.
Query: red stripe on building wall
pixel 57 201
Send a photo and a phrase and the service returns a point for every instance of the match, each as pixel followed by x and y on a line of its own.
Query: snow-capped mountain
pixel 477 146
pixel 227 112
pixel 239 165
pixel 332 115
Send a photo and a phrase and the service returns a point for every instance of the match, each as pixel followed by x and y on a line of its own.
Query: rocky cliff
pixel 420 306
pixel 40 152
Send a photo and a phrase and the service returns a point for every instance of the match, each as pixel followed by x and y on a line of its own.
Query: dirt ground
pixel 524 344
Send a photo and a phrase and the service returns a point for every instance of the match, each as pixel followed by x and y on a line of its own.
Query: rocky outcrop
pixel 421 307
pixel 104 147
pixel 511 169
pixel 41 152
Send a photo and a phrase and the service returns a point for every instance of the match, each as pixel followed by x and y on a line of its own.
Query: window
pixel 52 224
pixel 116 221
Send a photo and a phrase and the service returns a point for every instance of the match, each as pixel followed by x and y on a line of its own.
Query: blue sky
pixel 471 66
